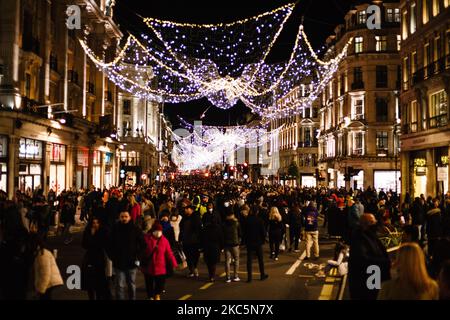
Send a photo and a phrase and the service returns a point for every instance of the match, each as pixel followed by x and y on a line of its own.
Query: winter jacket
pixel 295 219
pixel 162 254
pixel 135 212
pixel 231 232
pixel 276 230
pixel 418 214
pixel 366 250
pixel 254 231
pixel 46 272
pixel 168 232
pixel 434 226
pixel 68 213
pixel 190 229
pixel 311 218
pixel 353 217
pixel 125 245
pixel 212 243
pixel 93 269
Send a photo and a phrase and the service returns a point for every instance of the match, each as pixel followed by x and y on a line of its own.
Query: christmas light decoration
pixel 223 62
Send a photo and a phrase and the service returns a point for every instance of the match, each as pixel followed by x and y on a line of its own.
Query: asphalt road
pixel 290 278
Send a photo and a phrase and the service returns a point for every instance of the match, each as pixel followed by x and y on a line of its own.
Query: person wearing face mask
pixel 366 250
pixel 158 255
pixel 210 214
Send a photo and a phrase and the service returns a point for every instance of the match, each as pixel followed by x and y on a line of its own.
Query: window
pixel 3 146
pixel 343 87
pixel 358 143
pixel 127 107
pixel 358 107
pixel 437 48
pixel 58 153
pixel 381 43
pixel 361 17
pixel 413 62
pixel 405 73
pixel 382 110
pixel 425 14
pixel 404 25
pixel 413 116
pixel 382 140
pixel 390 15
pixel 438 109
pixel 435 7
pixel 427 58
pixel 397 15
pixel 399 42
pixel 357 75
pixel 358 44
pixel 28 85
pixel 413 18
pixel 381 76
pixel 30 149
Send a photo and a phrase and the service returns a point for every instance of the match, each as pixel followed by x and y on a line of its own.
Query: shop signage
pixel 442 173
pixel 421 171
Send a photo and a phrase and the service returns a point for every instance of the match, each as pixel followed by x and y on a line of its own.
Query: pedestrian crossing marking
pixel 206 286
pixel 185 297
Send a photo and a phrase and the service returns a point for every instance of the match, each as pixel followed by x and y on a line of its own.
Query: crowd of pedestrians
pixel 154 229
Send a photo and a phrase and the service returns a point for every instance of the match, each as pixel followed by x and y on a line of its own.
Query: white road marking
pixel 296 264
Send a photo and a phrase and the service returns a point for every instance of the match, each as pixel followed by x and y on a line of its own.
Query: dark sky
pixel 320 19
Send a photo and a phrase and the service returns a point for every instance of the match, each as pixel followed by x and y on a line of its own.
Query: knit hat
pixel 156 226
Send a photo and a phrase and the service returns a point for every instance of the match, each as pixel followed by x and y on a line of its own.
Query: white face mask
pixel 226 204
pixel 210 210
pixel 157 234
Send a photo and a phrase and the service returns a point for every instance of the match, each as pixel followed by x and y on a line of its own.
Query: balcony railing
pixel 357 152
pixel 357 85
pixel 434 67
pixel 357 116
pixel 438 121
pixel 308 144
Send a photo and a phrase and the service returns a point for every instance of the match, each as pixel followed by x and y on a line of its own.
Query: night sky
pixel 320 19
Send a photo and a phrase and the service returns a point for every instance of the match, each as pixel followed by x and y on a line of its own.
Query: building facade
pixel 296 143
pixel 425 54
pixel 58 112
pixel 359 113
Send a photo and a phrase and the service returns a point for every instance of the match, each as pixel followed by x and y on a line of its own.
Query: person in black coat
pixel 418 214
pixel 254 239
pixel 93 274
pixel 212 243
pixel 190 232
pixel 295 227
pixel 276 232
pixel 366 250
pixel 433 225
pixel 126 245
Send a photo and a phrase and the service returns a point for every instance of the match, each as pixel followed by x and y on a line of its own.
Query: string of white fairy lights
pixel 163 70
pixel 207 146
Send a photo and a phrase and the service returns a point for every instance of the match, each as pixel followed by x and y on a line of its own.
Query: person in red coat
pixel 157 255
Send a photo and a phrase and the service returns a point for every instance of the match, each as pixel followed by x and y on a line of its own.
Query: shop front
pixel 97 169
pixel 82 168
pixel 419 173
pixel 3 163
pixel 130 162
pixel 108 169
pixel 57 167
pixel 308 180
pixel 387 180
pixel 442 170
pixel 30 164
